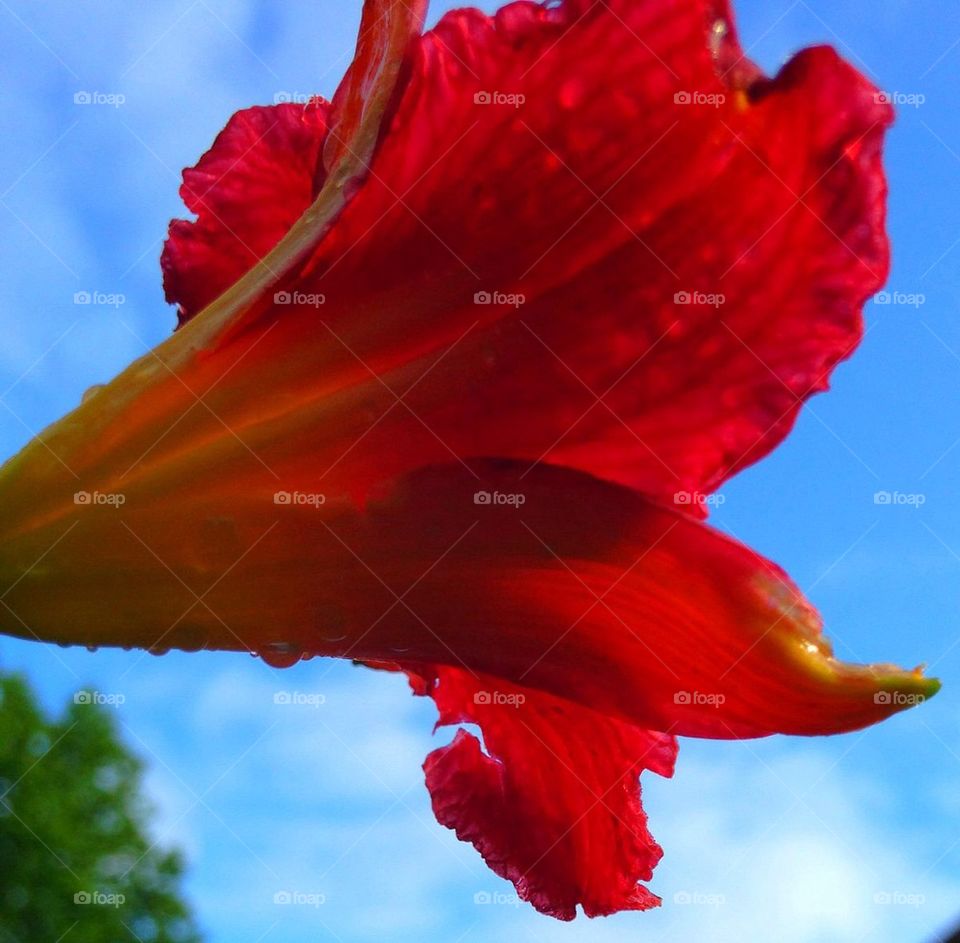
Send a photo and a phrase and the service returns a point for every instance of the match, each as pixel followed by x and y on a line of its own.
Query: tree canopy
pixel 77 862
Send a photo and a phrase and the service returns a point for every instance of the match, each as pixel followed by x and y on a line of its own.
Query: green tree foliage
pixel 76 860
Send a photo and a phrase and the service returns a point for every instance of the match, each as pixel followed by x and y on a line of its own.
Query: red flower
pixel 590 241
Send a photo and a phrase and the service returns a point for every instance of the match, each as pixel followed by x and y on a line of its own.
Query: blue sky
pixel 844 840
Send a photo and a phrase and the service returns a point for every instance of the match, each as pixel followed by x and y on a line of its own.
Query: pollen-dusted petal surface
pixel 551 799
pixel 260 175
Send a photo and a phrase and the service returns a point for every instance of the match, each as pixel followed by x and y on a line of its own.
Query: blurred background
pixel 309 819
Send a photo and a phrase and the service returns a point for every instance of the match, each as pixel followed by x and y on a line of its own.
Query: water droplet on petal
pixel 92 391
pixel 571 93
pixel 332 623
pixel 92 648
pixel 718 33
pixel 281 654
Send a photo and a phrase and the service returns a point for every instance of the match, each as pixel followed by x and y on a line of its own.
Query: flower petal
pixel 547 578
pixel 772 201
pixel 269 155
pixel 593 205
pixel 591 592
pixel 261 174
pixel 551 799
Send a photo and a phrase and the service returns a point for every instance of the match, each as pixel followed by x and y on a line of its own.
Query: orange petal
pixel 559 582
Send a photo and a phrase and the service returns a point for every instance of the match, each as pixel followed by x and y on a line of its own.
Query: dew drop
pixel 550 161
pixel 718 33
pixel 332 623
pixel 281 654
pixel 92 648
pixel 571 93
pixel 191 639
pixel 731 398
pixel 91 392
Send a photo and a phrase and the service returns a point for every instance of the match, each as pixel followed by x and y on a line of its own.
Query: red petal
pixel 552 798
pixel 269 167
pixel 590 592
pixel 261 174
pixel 773 199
